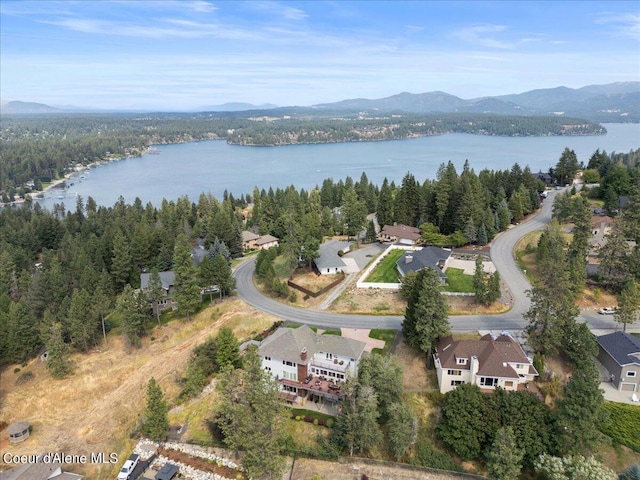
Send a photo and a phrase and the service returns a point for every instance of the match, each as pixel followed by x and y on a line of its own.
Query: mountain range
pixel 614 102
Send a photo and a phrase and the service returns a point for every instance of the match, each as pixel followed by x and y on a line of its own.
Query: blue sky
pixel 186 54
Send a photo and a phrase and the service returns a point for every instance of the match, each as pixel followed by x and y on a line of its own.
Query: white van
pixel 127 468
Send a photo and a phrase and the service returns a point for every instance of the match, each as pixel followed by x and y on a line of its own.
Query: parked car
pixel 607 311
pixel 127 468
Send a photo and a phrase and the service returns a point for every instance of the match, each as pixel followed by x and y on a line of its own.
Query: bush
pixel 16 370
pixel 624 425
pixel 293 298
pixel 25 377
pixel 315 421
pixel 330 422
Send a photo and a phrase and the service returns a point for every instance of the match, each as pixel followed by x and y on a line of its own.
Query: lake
pixel 214 166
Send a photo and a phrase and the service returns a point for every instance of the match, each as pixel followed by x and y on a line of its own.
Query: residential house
pixel 309 366
pixel 399 233
pixel 266 242
pixel 39 470
pixel 427 257
pixel 329 260
pixel 253 241
pixel 544 178
pixel 249 240
pixel 619 352
pixel 168 280
pixel 491 362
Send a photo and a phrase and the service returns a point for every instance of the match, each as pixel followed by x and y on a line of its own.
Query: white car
pixel 607 311
pixel 127 468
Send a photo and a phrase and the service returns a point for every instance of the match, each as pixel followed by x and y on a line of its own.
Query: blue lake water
pixel 214 166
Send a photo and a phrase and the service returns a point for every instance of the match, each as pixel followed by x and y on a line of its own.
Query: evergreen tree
pixel 504 460
pixel 479 282
pixel 156 424
pixel 384 212
pixel 354 213
pixel 250 416
pixel 155 291
pixel 101 305
pixel 227 349
pixel 132 307
pixel 403 429
pixel 186 293
pixel 426 317
pixel 122 262
pixel 57 351
pixel 223 277
pixel 581 413
pixel 628 309
pixel 384 374
pixel 83 326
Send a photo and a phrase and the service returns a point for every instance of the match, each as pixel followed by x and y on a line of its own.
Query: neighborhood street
pixel 502 255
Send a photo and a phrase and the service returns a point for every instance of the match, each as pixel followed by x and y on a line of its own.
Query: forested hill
pixel 41 148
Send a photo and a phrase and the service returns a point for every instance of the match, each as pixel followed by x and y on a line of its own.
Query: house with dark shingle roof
pixel 427 257
pixel 619 352
pixel 305 363
pixel 168 280
pixel 491 362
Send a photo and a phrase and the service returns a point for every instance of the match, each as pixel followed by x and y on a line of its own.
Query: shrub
pixel 624 425
pixel 24 377
pixel 330 422
pixel 298 417
pixel 315 421
pixel 16 370
pixel 293 298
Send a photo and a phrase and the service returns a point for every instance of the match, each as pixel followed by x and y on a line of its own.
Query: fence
pixel 319 292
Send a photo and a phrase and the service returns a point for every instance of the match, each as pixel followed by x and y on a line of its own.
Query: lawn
pixel 386 271
pixel 388 336
pixel 457 281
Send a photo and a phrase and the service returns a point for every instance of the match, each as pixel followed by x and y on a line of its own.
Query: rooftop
pixel 624 348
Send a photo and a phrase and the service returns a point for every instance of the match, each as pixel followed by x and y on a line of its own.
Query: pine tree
pixel 132 307
pixel 155 291
pixel 479 282
pixel 250 416
pixel 156 425
pixel 504 460
pixel 122 263
pixel 186 293
pixel 384 212
pixel 426 317
pixel 227 349
pixel 57 351
pixel 628 309
pixel 402 429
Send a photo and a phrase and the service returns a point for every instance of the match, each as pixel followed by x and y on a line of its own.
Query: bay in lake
pixel 214 166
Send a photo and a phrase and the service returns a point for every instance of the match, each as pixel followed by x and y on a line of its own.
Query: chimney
pixel 303 354
pixel 408 258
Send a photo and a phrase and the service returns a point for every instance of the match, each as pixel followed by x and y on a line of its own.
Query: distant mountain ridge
pixel 614 102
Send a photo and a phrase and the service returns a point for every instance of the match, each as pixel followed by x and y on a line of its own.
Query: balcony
pixel 334 365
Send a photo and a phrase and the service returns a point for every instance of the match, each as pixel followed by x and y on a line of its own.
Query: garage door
pixel 628 387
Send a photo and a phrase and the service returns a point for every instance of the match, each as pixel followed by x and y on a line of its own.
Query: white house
pixel 308 365
pixel 491 362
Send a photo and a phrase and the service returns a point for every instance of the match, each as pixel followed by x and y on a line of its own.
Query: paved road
pixel 502 255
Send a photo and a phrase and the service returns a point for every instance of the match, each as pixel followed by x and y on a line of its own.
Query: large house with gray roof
pixel 308 365
pixel 427 257
pixel 491 362
pixel 619 353
pixel 168 280
pixel 399 233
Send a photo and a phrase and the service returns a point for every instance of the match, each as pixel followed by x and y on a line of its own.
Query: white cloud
pixel 627 25
pixel 483 36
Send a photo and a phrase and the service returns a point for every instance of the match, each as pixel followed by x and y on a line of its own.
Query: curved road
pixel 502 249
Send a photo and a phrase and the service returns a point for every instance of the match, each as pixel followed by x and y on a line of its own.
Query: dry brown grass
pixel 96 408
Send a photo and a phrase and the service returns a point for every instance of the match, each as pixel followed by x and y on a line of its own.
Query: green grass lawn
pixel 457 281
pixel 386 271
pixel 388 336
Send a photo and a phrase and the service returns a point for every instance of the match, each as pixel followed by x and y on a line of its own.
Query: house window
pixel 289 375
pixel 461 361
pixel 488 382
pixel 632 373
pixel 508 384
pixel 454 372
pixel 267 358
pixel 288 364
pixel 455 383
pixel 329 356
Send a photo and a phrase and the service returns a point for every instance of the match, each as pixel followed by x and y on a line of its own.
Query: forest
pixel 43 148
